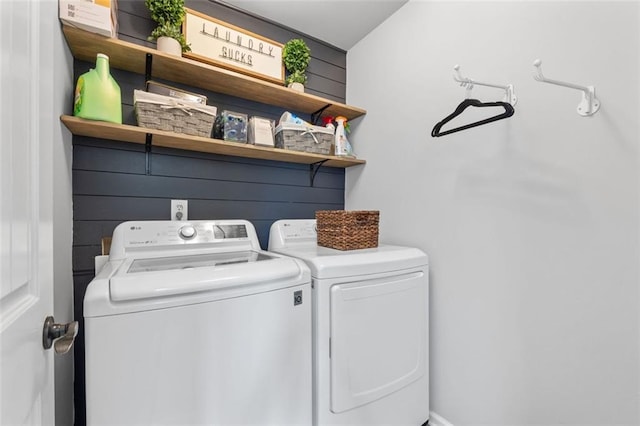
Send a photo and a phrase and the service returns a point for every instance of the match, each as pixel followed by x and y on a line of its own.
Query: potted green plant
pixel 169 15
pixel 295 56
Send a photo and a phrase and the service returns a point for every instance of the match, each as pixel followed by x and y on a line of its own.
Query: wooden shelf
pixel 135 134
pixel 132 57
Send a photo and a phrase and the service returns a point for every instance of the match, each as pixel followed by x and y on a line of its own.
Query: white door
pixel 26 266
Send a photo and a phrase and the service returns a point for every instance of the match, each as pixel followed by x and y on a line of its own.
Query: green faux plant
pixel 296 77
pixel 169 15
pixel 296 56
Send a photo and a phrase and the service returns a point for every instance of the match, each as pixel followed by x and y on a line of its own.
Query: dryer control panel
pixel 286 232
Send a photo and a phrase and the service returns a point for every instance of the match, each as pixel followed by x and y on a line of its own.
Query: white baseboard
pixel 438 420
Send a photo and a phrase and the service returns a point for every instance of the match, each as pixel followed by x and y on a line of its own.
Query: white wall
pixel 531 223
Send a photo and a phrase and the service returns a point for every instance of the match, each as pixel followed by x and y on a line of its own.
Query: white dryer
pixel 192 324
pixel 370 329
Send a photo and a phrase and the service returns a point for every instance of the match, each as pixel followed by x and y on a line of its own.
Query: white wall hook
pixel 468 83
pixel 589 104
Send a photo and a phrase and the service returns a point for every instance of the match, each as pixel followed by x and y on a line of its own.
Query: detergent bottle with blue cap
pixel 97 95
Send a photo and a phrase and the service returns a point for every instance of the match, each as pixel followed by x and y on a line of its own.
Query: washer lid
pixel 248 271
pixel 195 261
pixel 330 263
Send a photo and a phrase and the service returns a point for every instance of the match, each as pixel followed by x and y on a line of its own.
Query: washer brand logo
pixel 297 297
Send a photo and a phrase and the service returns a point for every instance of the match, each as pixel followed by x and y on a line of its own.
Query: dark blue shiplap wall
pixel 112 184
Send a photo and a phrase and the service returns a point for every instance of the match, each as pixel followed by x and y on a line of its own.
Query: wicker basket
pixel 299 137
pixel 161 112
pixel 347 230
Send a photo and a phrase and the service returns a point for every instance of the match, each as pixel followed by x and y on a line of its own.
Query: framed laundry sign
pixel 218 43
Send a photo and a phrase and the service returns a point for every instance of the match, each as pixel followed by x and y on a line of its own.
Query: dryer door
pixel 378 337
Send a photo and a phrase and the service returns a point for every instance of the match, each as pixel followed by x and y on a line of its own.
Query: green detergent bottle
pixel 97 94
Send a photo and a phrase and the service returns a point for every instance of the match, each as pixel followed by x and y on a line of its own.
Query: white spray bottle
pixel 340 142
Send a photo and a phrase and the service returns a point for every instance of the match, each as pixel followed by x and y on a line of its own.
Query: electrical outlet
pixel 179 210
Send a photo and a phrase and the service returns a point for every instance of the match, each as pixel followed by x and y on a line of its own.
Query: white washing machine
pixel 193 324
pixel 370 329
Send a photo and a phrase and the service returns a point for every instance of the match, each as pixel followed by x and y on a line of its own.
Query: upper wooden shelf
pixel 132 57
pixel 135 134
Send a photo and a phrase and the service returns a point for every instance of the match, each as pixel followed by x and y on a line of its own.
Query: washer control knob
pixel 187 232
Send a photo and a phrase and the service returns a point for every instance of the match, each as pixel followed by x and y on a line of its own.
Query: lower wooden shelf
pixel 135 134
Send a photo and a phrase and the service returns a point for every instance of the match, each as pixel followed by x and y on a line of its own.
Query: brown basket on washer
pixel 347 230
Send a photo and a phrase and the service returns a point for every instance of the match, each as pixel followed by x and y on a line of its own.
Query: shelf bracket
pixel 313 170
pixel 147 67
pixel 147 153
pixel 315 116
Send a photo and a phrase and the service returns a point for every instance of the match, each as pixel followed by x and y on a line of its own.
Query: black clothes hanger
pixel 508 112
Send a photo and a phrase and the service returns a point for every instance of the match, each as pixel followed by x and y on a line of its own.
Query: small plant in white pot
pixel 169 15
pixel 295 56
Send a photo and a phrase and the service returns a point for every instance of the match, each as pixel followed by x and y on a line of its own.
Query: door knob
pixel 61 336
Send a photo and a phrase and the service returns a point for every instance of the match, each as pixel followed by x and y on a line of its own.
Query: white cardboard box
pixel 260 131
pixel 96 16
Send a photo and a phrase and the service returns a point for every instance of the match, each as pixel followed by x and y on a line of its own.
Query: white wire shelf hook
pixel 468 83
pixel 589 104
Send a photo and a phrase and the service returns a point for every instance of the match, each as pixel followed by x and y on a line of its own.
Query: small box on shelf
pixel 96 16
pixel 174 92
pixel 231 126
pixel 260 131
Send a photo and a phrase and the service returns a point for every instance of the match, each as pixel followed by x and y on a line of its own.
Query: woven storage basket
pixel 161 112
pixel 347 230
pixel 299 137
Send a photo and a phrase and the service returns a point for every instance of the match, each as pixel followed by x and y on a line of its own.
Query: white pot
pixel 298 87
pixel 169 45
